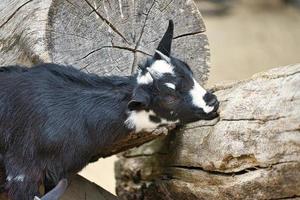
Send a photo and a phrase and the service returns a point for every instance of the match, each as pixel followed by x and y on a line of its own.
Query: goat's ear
pixel 140 99
pixel 164 48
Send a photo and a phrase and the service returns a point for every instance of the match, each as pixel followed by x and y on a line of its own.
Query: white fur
pixel 9 178
pixel 197 93
pixel 171 85
pixel 160 67
pixel 157 69
pixel 20 178
pixel 17 178
pixel 139 121
pixel 144 79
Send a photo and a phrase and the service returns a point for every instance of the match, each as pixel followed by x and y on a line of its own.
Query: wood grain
pixel 251 152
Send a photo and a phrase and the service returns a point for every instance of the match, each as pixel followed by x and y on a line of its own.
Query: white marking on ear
pixel 140 120
pixel 163 56
pixel 144 79
pixel 197 93
pixel 160 67
pixel 171 85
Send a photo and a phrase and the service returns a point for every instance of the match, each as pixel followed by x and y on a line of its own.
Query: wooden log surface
pixel 251 152
pixel 105 37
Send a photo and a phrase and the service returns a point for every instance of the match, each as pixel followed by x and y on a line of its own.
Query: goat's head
pixel 166 86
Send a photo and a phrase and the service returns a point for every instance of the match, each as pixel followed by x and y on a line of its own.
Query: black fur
pixel 55 119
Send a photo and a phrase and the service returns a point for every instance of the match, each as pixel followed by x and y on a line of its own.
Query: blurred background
pixel 246 37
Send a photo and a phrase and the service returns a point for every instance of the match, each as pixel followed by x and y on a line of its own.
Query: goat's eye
pixel 168 101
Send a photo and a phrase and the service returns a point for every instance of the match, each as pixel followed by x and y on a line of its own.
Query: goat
pixel 54 119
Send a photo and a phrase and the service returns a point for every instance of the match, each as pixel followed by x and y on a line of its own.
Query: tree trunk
pixel 104 37
pixel 251 152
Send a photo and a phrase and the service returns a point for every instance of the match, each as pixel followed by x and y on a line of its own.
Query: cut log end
pixel 103 37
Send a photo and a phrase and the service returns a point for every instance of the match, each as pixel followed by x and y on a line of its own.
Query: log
pixel 105 37
pixel 251 152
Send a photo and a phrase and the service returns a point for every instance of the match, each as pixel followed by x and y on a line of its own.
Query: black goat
pixel 54 119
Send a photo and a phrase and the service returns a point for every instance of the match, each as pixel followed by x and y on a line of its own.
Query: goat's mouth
pixel 210 116
pixel 199 117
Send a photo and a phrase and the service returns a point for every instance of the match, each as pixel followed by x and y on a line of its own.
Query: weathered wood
pixel 251 152
pixel 103 37
pixel 106 37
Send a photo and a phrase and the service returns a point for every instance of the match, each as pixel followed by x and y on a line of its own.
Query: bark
pixel 252 151
pixel 103 37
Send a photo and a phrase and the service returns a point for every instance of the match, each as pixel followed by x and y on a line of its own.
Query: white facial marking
pixel 139 120
pixel 197 93
pixel 160 67
pixel 144 79
pixel 171 85
pixel 157 69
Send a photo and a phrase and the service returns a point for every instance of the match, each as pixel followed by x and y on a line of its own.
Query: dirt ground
pixel 245 38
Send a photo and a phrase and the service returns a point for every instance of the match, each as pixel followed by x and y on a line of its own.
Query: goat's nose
pixel 210 99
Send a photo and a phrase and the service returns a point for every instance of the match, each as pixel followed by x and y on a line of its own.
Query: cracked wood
pixel 251 152
pixel 103 37
pixel 118 35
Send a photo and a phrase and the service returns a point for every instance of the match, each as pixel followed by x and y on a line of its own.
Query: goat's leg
pixel 49 184
pixel 56 192
pixel 2 174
